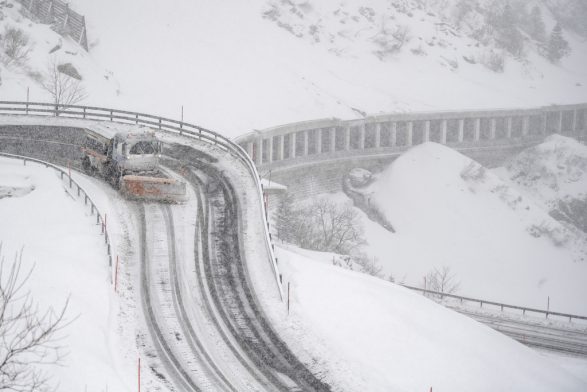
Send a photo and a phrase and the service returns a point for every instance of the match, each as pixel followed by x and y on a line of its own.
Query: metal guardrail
pixel 161 124
pixel 501 305
pixel 80 191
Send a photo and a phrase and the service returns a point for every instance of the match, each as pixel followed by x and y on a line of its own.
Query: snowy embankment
pixel 554 175
pixel 61 239
pixel 500 244
pixel 366 334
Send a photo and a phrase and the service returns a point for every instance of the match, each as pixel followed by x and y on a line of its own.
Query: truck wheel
pixel 114 176
pixel 86 165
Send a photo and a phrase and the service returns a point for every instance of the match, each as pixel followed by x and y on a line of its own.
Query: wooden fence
pixel 58 13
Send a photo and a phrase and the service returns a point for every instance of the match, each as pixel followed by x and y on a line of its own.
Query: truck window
pixel 143 147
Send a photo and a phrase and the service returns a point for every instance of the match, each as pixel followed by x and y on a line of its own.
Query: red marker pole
pixel 116 276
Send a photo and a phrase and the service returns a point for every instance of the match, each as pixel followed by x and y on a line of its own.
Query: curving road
pixel 202 313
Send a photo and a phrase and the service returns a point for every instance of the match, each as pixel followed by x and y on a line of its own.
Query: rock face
pixel 353 185
pixel 360 178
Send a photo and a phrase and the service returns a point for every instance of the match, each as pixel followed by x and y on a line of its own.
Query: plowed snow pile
pixel 366 334
pixel 502 245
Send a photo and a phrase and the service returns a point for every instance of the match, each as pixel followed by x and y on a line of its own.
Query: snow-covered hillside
pixel 502 245
pixel 59 238
pixel 27 61
pixel 554 174
pixel 366 334
pixel 236 66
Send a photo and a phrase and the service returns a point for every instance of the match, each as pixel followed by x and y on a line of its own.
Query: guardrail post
pixel 111 116
pixel 84 112
pixel 159 122
pixel 137 118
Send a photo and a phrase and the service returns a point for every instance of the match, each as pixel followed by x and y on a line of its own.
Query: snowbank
pixel 367 334
pixel 60 238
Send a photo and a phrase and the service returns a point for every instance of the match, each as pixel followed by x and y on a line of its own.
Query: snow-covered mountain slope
pixel 41 48
pixel 554 173
pixel 236 66
pixel 502 245
pixel 59 238
pixel 366 334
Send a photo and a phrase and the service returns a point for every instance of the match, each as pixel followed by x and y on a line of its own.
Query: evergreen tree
pixel 557 47
pixel 509 37
pixel 536 27
pixel 284 218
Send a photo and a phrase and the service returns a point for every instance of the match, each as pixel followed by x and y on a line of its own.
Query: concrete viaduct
pixel 292 152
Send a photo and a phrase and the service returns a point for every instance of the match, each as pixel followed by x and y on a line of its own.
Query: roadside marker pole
pixel 116 276
pixel 139 374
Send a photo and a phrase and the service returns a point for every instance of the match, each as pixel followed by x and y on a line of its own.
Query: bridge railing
pixel 157 123
pixel 502 306
pixel 324 138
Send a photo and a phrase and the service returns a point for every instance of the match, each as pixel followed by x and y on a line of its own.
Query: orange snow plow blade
pixel 153 188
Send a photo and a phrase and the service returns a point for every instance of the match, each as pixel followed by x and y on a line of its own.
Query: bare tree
pixel 64 89
pixel 327 226
pixel 29 337
pixel 442 281
pixel 16 45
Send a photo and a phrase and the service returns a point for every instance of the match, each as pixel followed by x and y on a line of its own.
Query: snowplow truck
pixel 130 162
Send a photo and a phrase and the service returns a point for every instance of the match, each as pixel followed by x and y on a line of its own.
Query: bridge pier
pixel 281 147
pixel 426 137
pixel 525 125
pixel 393 131
pixel 377 135
pixel 270 152
pixel 333 139
pixel 508 127
pixel 362 136
pixel 409 133
pixel 347 138
pixel 492 128
pixel 461 130
pixel 443 126
pixel 292 144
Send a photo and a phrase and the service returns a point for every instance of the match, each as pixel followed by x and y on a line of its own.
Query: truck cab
pixel 135 152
